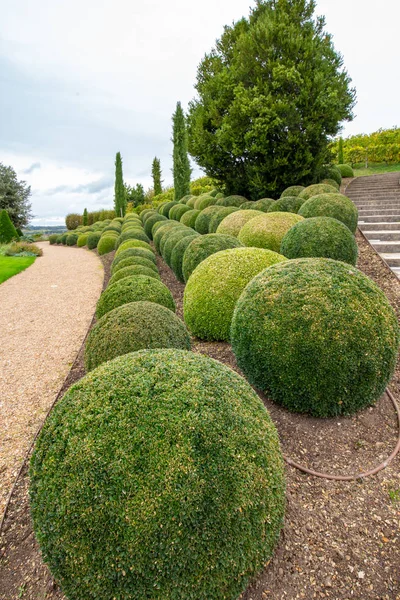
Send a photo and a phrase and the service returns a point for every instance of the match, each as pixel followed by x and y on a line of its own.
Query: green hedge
pixel 293 190
pixel 158 475
pixel 215 285
pixel 289 204
pixel 204 246
pixel 320 237
pixel 106 244
pixel 336 206
pixel 333 173
pixel 134 289
pixel 317 336
pixel 132 327
pixel 189 218
pixel 219 216
pixel 132 270
pixel 133 261
pixel 233 223
pixel 267 231
pixel 133 234
pixel 315 190
pixel 345 170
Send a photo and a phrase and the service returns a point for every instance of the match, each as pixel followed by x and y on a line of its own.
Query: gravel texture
pixel 45 314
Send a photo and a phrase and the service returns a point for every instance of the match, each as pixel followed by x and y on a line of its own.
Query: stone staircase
pixel 377 198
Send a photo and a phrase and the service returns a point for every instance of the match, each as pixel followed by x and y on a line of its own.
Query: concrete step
pixel 382 236
pixel 392 259
pixel 389 247
pixel 382 226
pixel 370 212
pixel 396 271
pixel 374 204
pixel 380 219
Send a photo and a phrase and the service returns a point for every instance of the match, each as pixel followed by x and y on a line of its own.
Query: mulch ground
pixel 340 540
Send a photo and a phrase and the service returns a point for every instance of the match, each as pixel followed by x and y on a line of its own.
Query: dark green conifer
pixel 181 166
pixel 7 229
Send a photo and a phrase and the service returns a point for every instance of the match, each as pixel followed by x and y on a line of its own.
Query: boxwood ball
pixel 158 475
pixel 317 335
pixel 215 286
pixel 202 247
pixel 268 230
pixel 336 206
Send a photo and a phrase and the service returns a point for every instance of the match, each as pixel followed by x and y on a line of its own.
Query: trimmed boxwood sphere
pixel 82 240
pixel 286 204
pixel 315 190
pixel 293 190
pixel 317 335
pixel 142 252
pixel 185 199
pixel 336 206
pixel 132 261
pixel 345 170
pixel 215 286
pixel 204 246
pixel 93 240
pixel 177 255
pixel 53 238
pixel 331 182
pixel 148 225
pixel 202 222
pixel 133 234
pixel 173 238
pixel 133 270
pixel 133 289
pixel 72 238
pixel 162 230
pixel 192 201
pixel 233 223
pixel 106 244
pixel 219 216
pixel 203 201
pixel 263 204
pixel 320 237
pixel 116 228
pixel 231 201
pixel 158 475
pixel 189 218
pixel 167 207
pixel 146 214
pixel 177 211
pixel 334 173
pixel 268 230
pixel 131 327
pixel 132 244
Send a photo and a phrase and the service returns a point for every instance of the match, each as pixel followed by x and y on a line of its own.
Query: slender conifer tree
pixel 156 173
pixel 181 166
pixel 119 189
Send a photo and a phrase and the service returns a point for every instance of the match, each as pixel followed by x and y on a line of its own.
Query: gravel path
pixel 45 314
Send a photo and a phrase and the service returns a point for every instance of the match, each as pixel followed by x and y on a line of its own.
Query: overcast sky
pixel 83 79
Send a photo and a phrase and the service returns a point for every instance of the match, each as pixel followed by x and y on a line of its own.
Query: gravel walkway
pixel 45 314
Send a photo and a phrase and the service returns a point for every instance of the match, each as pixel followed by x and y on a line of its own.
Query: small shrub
pixel 315 190
pixel 82 240
pixel 185 199
pixel 192 201
pixel 132 270
pixel 167 207
pixel 202 222
pixel 150 221
pixel 233 223
pixel 289 204
pixel 73 220
pixel 133 261
pixel 320 237
pixel 331 182
pixel 133 234
pixel 231 201
pixel 317 336
pixel 293 190
pixel 177 211
pixel 132 327
pixel 203 201
pixel 177 256
pixel 163 230
pixel 64 238
pixel 268 230
pixel 215 286
pixel 336 206
pixel 59 239
pixel 7 229
pixel 132 243
pixel 173 238
pixel 219 216
pixel 23 249
pixel 189 218
pixel 345 170
pixel 134 289
pixel 53 238
pixel 165 237
pixel 93 240
pixel 139 252
pixel 72 239
pixel 204 246
pixel 161 473
pixel 115 228
pixel 106 244
pixel 333 173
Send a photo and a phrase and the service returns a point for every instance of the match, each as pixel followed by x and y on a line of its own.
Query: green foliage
pixel 286 204
pixel 133 261
pixel 132 327
pixel 133 270
pixel 85 217
pixel 14 197
pixel 119 188
pixel 53 238
pixel 10 266
pixel 167 207
pixel 263 117
pixel 161 231
pixel 332 183
pixel 262 204
pixel 7 229
pixel 106 244
pixel 64 238
pixel 320 237
pixel 317 336
pixel 215 286
pixel 333 173
pixel 233 223
pixel 340 153
pixel 161 473
pixel 156 174
pixel 202 185
pixel 219 216
pixel 232 201
pixel 177 256
pixel 134 289
pixel 189 218
pixel 293 190
pixel 268 230
pixel 172 238
pixel 336 206
pixel 202 222
pixel 140 252
pixel 177 211
pixel 382 146
pixel 150 221
pixel 203 201
pixel 135 196
pixel 82 240
pixel 204 246
pixel 23 249
pixel 315 190
pixel 181 166
pixel 192 201
pixel 345 170
pixel 132 243
pixel 72 221
pixel 72 238
pixel 133 234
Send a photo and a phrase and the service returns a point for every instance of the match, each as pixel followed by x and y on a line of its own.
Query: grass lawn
pixel 375 169
pixel 11 265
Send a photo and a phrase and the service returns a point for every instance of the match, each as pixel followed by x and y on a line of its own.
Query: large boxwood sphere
pixel 93 239
pixel 316 189
pixel 148 226
pixel 220 216
pixel 345 170
pixel 293 190
pixel 336 206
pixel 82 240
pixel 331 182
pixel 134 289
pixel 158 475
pixel 161 231
pixel 173 238
pixel 170 233
pixel 215 286
pixel 106 244
pixel 317 335
pixel 232 201
pixel 177 211
pixel 333 173
pixel 142 252
pixel 131 327
pixel 320 237
pixel 286 204
pixel 133 261
pixel 189 218
pixel 132 244
pixel 133 234
pixel 202 222
pixel 202 247
pixel 233 223
pixel 133 270
pixel 268 230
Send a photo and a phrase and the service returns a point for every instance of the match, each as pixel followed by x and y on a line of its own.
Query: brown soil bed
pixel 340 540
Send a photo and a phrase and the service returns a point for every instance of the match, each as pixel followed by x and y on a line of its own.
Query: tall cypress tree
pixel 85 217
pixel 181 166
pixel 156 173
pixel 119 188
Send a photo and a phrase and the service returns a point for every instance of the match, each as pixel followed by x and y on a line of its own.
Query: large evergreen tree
pixel 156 173
pixel 119 188
pixel 14 196
pixel 7 229
pixel 181 166
pixel 271 95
